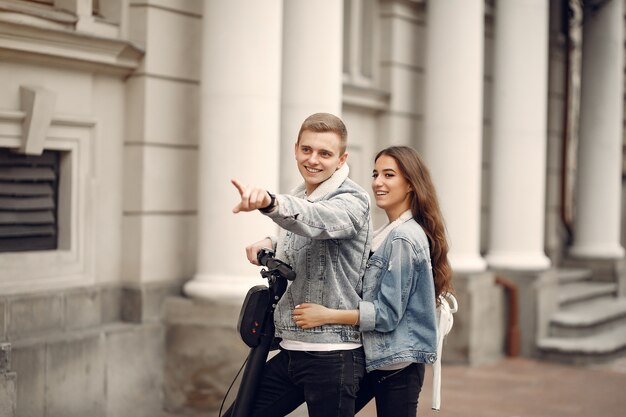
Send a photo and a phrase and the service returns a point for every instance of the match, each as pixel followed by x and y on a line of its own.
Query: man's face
pixel 318 157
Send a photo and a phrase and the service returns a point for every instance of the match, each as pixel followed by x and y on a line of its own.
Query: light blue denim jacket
pixel 397 314
pixel 327 244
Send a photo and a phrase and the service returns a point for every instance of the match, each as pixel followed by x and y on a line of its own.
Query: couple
pixel 358 302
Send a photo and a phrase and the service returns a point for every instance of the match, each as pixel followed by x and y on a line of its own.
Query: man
pixel 325 237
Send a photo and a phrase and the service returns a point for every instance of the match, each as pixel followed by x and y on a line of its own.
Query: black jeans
pixel 396 392
pixel 327 381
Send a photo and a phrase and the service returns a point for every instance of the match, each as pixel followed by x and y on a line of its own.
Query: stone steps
pixel 583 291
pixel 589 318
pixel 590 323
pixel 569 275
pixel 586 349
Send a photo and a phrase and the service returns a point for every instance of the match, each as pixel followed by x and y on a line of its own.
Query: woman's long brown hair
pixel 426 212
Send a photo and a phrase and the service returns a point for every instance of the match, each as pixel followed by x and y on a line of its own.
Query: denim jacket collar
pixel 382 232
pixel 331 184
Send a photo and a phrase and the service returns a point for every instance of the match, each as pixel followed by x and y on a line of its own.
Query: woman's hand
pixel 309 315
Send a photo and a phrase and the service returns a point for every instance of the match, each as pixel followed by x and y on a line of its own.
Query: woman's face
pixel 391 189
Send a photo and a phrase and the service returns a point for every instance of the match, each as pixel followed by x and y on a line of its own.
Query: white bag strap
pixel 455 304
pixel 445 322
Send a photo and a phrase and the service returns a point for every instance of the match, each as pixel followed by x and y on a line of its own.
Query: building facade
pixel 122 268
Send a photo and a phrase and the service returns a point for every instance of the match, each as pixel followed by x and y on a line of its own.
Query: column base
pixel 518 261
pixel 467 263
pixel 597 251
pixel 477 336
pixel 212 287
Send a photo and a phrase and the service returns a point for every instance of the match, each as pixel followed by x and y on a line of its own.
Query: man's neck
pixel 311 188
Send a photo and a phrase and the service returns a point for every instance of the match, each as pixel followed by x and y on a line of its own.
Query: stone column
pixel 598 190
pixel 239 138
pixel 312 72
pixel 453 119
pixel 518 151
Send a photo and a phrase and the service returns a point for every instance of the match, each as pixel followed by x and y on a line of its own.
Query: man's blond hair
pixel 326 122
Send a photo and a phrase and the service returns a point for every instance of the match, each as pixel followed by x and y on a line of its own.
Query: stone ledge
pixel 67 48
pixel 40 315
pixel 73 335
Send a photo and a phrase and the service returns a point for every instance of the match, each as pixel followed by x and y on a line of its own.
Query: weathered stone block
pixel 3 321
pixel 134 370
pixel 478 333
pixel 83 308
pixel 111 304
pixel 154 296
pixel 537 294
pixel 5 357
pixel 36 314
pixel 7 394
pixel 203 354
pixel 488 322
pixel 146 303
pixel 132 305
pixel 29 363
pixel 75 377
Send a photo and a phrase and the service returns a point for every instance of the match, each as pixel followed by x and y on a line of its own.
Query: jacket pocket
pixel 297 242
pixel 373 269
pixel 375 344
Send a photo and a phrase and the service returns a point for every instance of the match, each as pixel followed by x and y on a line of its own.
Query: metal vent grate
pixel 28 201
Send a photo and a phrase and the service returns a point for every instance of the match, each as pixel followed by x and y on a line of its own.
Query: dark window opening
pixel 29 186
pixel 95 8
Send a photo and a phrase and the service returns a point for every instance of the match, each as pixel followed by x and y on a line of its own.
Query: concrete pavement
pixel 526 388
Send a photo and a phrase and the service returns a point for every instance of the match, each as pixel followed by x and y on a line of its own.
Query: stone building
pixel 122 122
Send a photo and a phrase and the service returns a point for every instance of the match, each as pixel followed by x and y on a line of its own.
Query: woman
pixel 406 273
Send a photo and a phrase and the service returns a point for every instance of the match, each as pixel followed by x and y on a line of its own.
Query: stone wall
pixel 74 353
pixel 7 382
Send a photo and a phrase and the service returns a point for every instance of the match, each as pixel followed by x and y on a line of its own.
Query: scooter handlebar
pixel 266 258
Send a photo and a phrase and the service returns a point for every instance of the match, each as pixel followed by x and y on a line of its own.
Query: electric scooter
pixel 256 326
